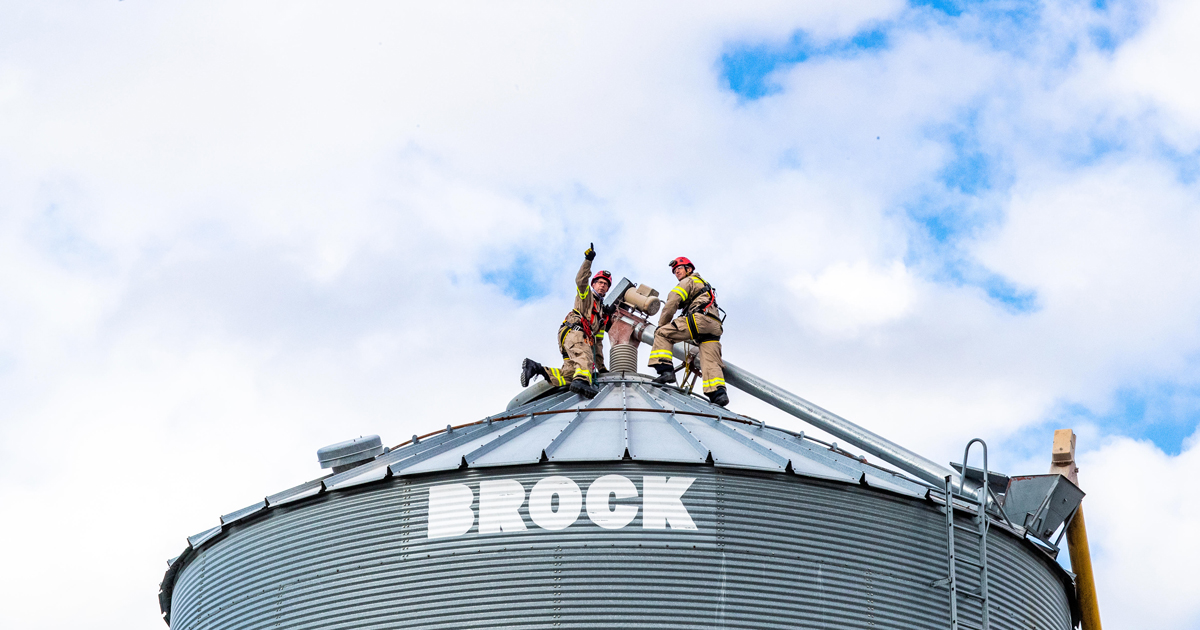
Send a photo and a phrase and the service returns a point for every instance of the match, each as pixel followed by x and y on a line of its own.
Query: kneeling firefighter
pixel 700 324
pixel 581 335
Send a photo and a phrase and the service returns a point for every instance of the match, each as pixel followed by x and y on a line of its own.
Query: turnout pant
pixel 577 359
pixel 702 330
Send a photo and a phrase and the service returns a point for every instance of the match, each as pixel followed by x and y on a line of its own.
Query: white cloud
pixel 1157 65
pixel 849 297
pixel 1141 524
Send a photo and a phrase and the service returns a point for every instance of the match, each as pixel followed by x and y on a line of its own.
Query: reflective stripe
pixel 660 354
pixel 558 376
pixel 714 382
pixel 600 335
pixel 583 293
pixel 681 292
pixel 710 341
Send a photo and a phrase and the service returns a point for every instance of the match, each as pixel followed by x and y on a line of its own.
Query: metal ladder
pixel 981 531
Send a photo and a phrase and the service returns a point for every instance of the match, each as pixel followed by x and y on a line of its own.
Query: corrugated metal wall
pixel 769 551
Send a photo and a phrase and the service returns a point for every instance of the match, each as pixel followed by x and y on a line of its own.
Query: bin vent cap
pixel 346 455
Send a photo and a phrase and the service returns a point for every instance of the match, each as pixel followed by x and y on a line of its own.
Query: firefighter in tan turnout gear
pixel 699 324
pixel 581 335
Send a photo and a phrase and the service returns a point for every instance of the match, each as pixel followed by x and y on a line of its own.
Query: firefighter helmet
pixel 603 275
pixel 682 260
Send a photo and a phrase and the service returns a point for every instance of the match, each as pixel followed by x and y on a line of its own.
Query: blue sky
pixel 965 198
pixel 227 239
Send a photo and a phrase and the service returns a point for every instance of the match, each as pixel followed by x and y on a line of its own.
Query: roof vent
pixel 346 455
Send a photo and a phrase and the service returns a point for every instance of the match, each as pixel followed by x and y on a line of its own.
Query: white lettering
pixel 662 503
pixel 598 501
pixel 450 511
pixel 451 505
pixel 570 501
pixel 499 502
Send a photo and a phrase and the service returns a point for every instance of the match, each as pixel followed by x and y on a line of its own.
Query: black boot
pixel 530 369
pixel 718 396
pixel 666 373
pixel 584 388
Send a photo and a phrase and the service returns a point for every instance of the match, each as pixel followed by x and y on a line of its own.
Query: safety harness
pixel 584 325
pixel 705 289
pixel 707 308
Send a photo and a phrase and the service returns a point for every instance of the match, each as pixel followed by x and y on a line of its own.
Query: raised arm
pixel 584 277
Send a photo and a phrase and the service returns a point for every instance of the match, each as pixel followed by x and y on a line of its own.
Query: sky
pixel 232 233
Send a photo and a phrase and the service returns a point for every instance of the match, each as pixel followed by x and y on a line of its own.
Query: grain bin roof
pixel 632 417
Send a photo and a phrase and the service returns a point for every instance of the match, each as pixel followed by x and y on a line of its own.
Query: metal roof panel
pixel 203 537
pixel 655 435
pixel 727 449
pixel 301 491
pixel 653 439
pixel 243 513
pixel 523 445
pixel 886 481
pixel 592 436
pixel 802 460
pixel 356 477
pixel 449 454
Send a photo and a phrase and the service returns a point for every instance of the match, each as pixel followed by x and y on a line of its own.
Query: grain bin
pixel 645 507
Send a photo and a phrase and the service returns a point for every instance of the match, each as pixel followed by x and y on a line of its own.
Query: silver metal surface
pixel 652 423
pixel 769 550
pixel 197 540
pixel 243 513
pixel 302 491
pixel 982 524
pixel 1041 503
pixel 343 454
pixel 790 532
pixel 979 595
pixel 823 419
pixel 623 358
pixel 529 394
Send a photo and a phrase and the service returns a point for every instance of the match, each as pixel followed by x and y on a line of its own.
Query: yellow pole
pixel 1081 565
pixel 1063 463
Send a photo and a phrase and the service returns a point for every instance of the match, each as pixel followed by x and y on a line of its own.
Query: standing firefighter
pixel 699 324
pixel 581 335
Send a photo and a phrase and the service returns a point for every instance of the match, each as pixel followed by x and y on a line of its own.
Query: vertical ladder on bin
pixel 953 561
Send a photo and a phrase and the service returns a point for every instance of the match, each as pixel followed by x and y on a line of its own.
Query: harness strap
pixel 562 336
pixel 700 338
pixel 706 288
pixel 587 324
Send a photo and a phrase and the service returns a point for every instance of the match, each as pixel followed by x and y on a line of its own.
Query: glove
pixel 601 370
pixel 609 309
pixel 590 254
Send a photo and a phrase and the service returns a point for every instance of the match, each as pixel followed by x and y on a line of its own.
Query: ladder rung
pixel 970 562
pixel 973 594
pixel 967 626
pixel 969 530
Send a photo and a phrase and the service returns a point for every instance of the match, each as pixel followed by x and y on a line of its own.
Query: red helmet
pixel 603 275
pixel 682 260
